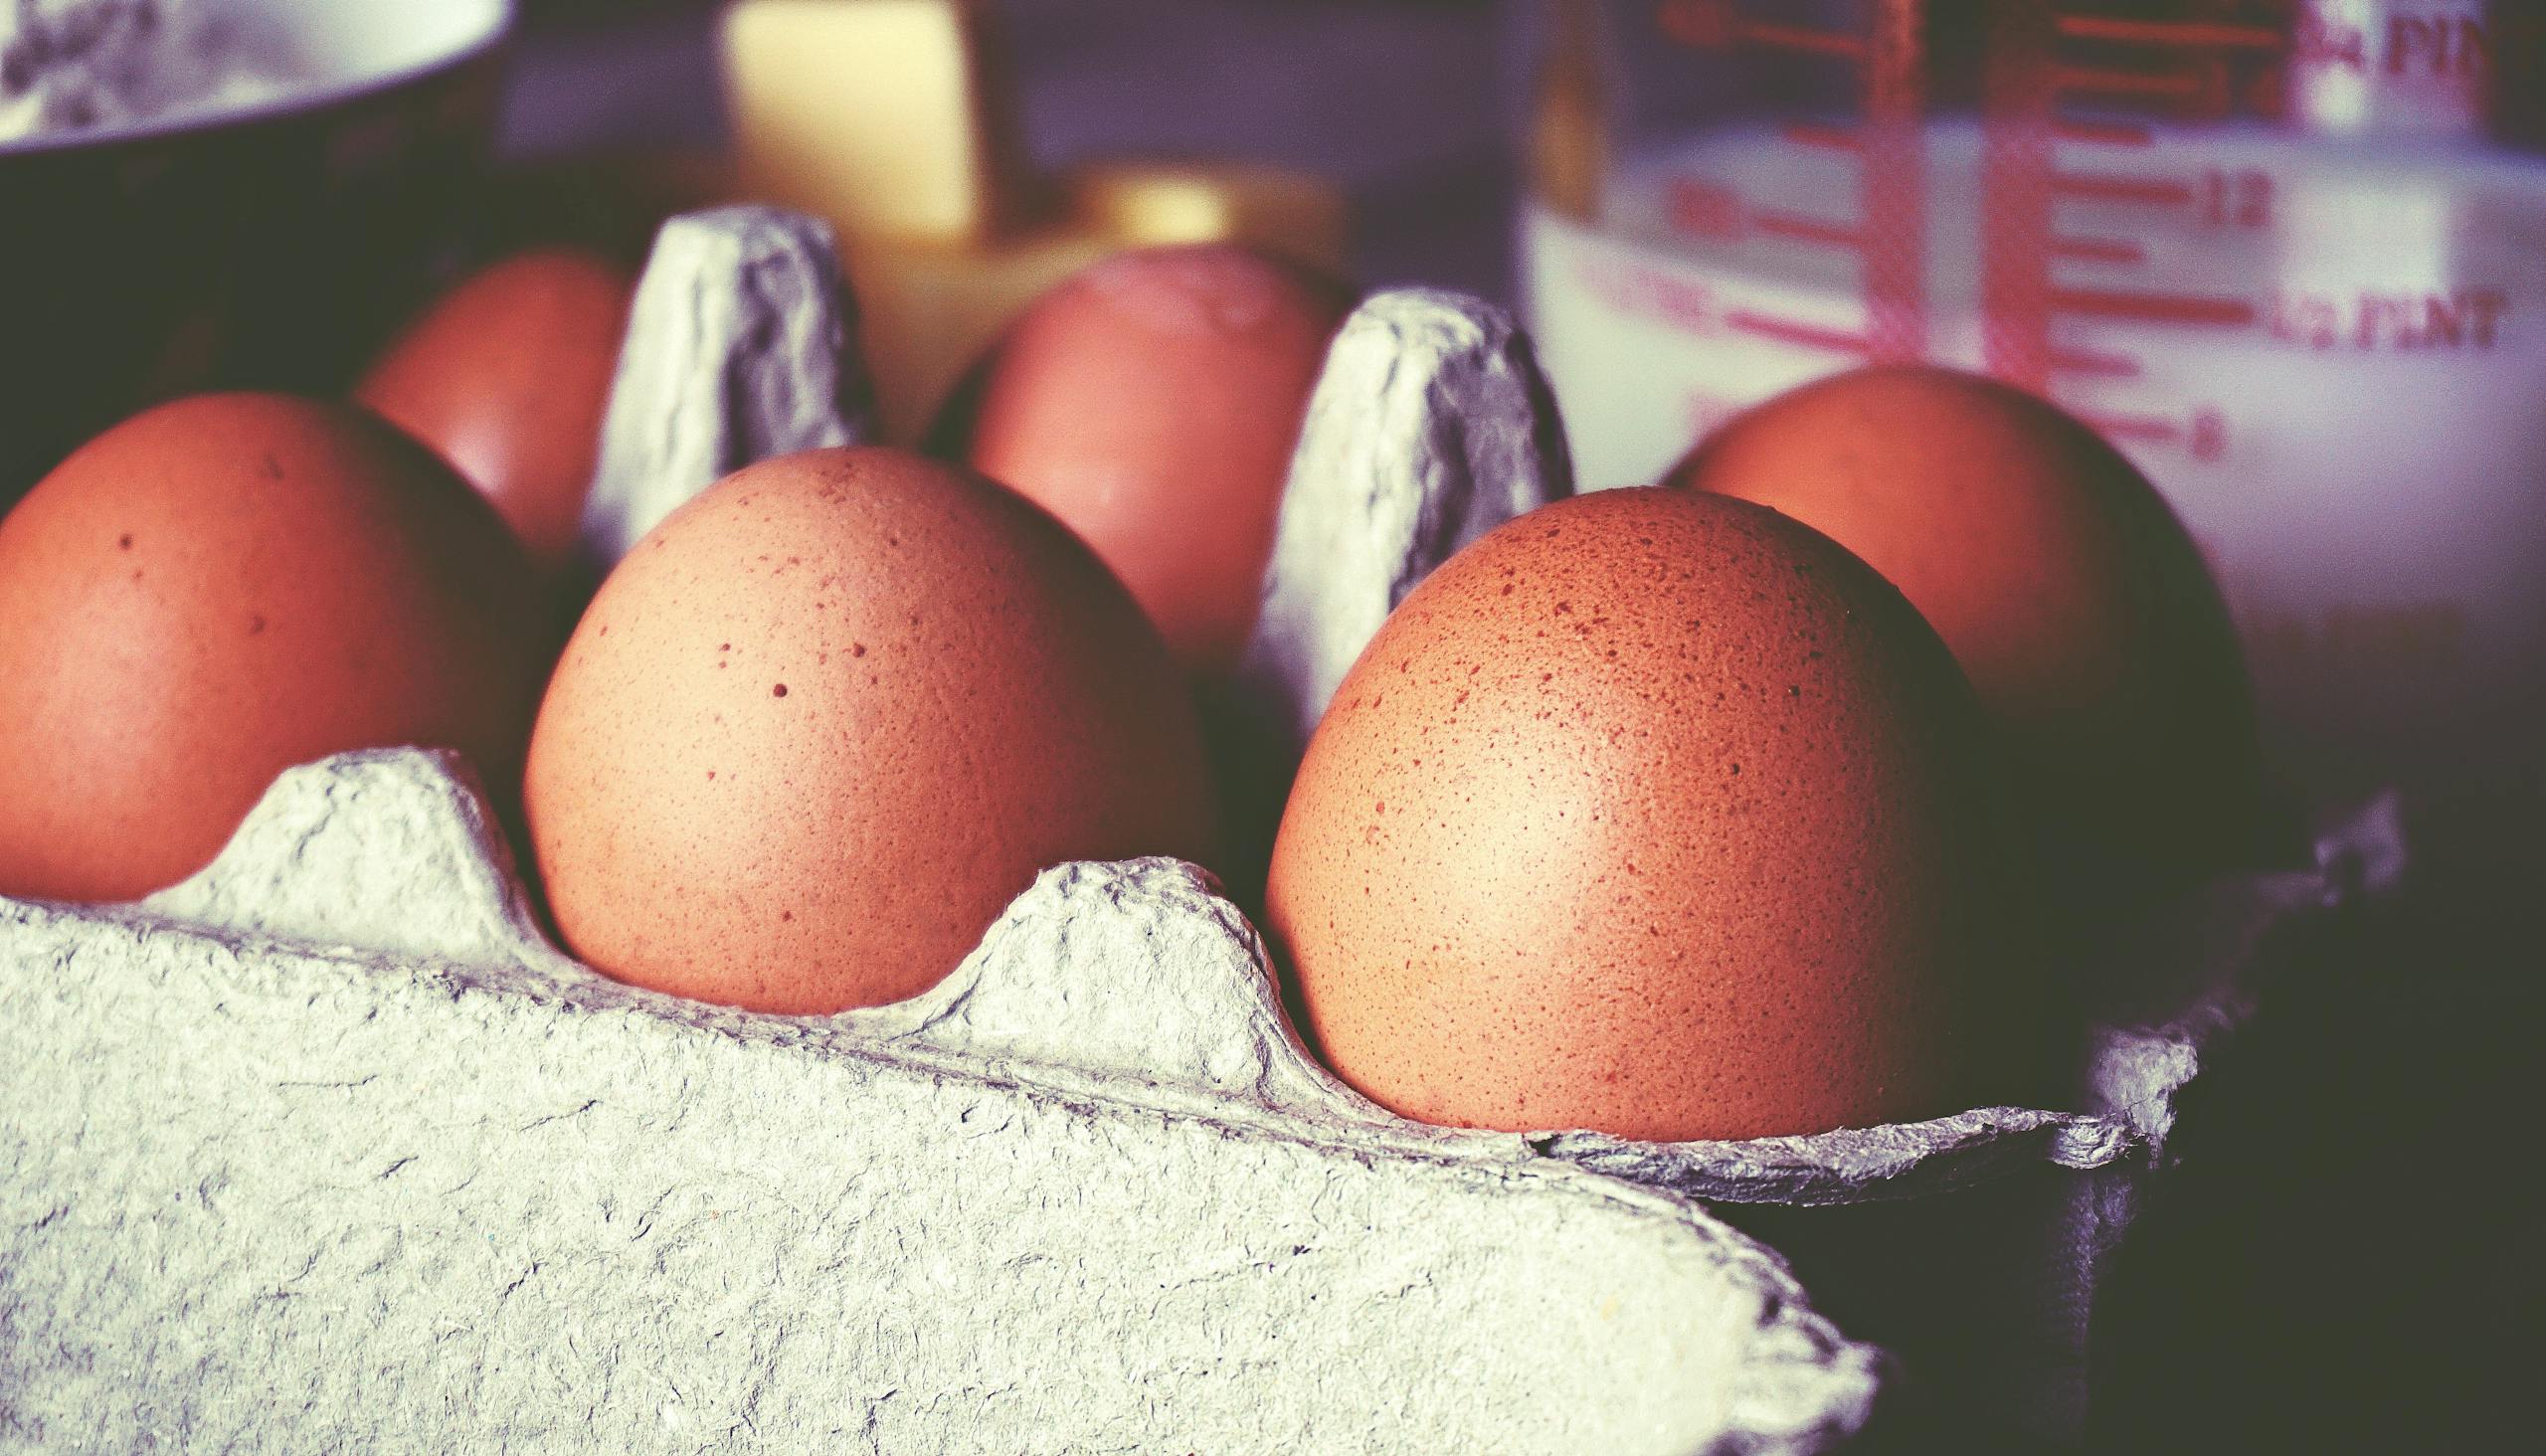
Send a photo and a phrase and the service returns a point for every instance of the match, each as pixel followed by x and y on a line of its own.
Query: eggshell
pixel 508 375
pixel 1153 403
pixel 222 588
pixel 2077 603
pixel 826 721
pixel 1656 814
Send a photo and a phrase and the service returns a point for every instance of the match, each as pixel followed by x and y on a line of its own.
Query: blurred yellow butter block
pixel 928 311
pixel 881 115
pixel 1141 204
pixel 894 120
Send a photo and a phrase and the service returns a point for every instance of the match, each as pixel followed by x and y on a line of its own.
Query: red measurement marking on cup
pixel 2146 429
pixel 2094 364
pixel 1795 332
pixel 2105 134
pixel 2100 250
pixel 2203 435
pixel 2169 33
pixel 1888 231
pixel 2154 307
pixel 1697 209
pixel 2400 321
pixel 1719 25
pixel 2019 92
pixel 1804 229
pixel 1801 39
pixel 2434 45
pixel 2052 87
pixel 1662 297
pixel 2106 82
pixel 1825 139
pixel 1894 183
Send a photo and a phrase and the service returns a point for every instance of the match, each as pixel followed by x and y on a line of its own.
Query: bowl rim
pixel 501 20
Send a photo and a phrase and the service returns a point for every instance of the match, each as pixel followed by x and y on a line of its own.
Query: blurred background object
pixel 2284 255
pixel 277 246
pixel 260 240
pixel 1395 102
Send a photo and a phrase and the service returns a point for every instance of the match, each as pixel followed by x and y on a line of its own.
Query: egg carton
pixel 330 1145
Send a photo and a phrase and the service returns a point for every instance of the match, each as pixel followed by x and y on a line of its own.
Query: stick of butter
pixel 895 121
pixel 876 114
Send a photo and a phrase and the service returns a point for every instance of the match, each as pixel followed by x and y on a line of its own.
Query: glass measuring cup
pixel 2288 255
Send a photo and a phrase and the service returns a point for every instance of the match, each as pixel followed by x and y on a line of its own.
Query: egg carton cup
pixel 741 346
pixel 328 1146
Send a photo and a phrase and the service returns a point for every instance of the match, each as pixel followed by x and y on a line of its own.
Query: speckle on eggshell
pixel 1037 721
pixel 224 587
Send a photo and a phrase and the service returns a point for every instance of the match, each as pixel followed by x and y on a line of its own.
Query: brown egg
pixel 507 376
pixel 222 588
pixel 1152 402
pixel 825 722
pixel 2077 605
pixel 1656 814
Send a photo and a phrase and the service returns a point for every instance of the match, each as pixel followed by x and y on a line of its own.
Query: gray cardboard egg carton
pixel 329 1147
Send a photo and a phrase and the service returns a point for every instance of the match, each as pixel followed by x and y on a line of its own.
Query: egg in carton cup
pixel 328 1144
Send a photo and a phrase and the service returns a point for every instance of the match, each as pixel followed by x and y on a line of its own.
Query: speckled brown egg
pixel 222 588
pixel 507 376
pixel 1658 813
pixel 1153 403
pixel 827 719
pixel 2074 600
